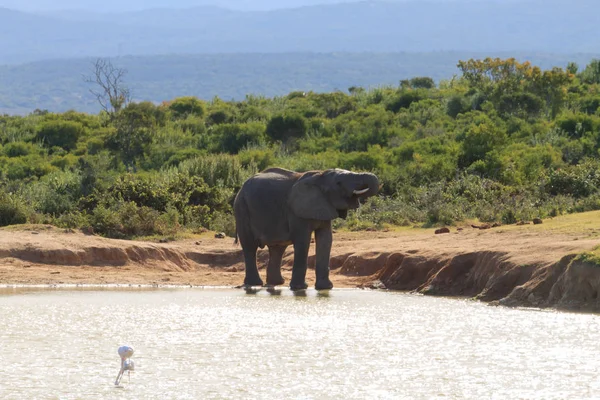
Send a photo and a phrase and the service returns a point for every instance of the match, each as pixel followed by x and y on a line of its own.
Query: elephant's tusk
pixel 359 192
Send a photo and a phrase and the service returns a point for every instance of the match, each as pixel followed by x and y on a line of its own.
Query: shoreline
pixel 517 266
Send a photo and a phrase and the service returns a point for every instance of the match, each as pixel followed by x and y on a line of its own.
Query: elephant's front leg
pixel 274 267
pixel 301 245
pixel 323 239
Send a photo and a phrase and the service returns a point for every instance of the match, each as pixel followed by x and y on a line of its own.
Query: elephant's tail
pixel 237 238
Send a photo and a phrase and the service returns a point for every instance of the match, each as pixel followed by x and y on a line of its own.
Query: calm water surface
pixel 351 344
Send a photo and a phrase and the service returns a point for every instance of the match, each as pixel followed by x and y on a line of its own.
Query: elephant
pixel 278 207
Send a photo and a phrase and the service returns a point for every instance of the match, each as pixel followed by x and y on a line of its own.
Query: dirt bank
pixel 514 265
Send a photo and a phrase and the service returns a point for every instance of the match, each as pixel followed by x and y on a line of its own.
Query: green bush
pixel 55 194
pixel 95 146
pixel 71 220
pixel 144 192
pixel 578 181
pixel 106 222
pixel 457 104
pixel 64 134
pixel 192 124
pixel 223 222
pixel 285 127
pixel 257 157
pixel 13 210
pixel 234 137
pixel 404 99
pixel 183 107
pixel 27 168
pixel 422 82
pixel 127 220
pixel 17 149
pixel 217 170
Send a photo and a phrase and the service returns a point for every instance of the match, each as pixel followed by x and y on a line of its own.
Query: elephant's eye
pixel 338 183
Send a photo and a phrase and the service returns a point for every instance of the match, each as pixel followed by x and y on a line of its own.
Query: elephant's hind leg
pixel 252 276
pixel 274 277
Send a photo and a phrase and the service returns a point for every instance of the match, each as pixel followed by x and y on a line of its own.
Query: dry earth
pixel 529 265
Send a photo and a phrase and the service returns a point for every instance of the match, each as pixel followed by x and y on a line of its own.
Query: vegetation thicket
pixel 505 141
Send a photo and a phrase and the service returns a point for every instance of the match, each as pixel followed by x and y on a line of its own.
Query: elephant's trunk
pixel 368 186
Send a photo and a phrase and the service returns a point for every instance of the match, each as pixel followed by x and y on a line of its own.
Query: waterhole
pixel 347 344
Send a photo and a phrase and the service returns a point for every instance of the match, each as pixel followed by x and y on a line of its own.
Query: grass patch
pixel 590 257
pixel 28 227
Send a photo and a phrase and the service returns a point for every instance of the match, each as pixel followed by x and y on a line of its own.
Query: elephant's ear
pixel 307 200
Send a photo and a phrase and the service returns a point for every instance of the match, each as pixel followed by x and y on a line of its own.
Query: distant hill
pixel 57 85
pixel 553 26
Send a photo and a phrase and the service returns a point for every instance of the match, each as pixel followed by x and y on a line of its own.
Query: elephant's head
pixel 326 195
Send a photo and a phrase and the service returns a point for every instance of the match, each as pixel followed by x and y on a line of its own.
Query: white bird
pixel 125 352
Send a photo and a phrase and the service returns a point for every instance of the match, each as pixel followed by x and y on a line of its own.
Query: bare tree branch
pixel 109 90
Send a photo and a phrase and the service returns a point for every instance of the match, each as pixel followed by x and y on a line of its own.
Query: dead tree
pixel 109 89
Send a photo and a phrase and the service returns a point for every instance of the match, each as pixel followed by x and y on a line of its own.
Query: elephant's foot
pixel 323 284
pixel 275 281
pixel 296 286
pixel 253 281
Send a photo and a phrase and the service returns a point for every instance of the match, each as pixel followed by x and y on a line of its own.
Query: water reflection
pixel 324 294
pixel 206 344
pixel 252 290
pixel 274 291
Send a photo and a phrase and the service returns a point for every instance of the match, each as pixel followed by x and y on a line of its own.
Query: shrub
pixel 12 210
pixel 578 181
pixel 457 104
pixel 95 146
pixel 63 134
pixel 576 125
pixel 284 127
pixel 364 161
pixel 192 124
pixel 55 193
pixel 106 222
pixel 259 158
pixel 71 220
pixel 183 107
pixel 128 220
pixel 590 105
pixel 522 105
pixel 478 141
pixel 17 149
pixel 223 222
pixel 144 192
pixel 422 82
pixel 217 170
pixel 234 137
pixel 404 99
pixel 28 167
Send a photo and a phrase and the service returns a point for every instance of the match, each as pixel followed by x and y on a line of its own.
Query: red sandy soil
pixel 517 266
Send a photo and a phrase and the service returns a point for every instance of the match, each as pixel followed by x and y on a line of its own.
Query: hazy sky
pixel 128 5
pixel 131 5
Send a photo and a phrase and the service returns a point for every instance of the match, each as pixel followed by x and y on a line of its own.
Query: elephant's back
pixel 268 190
pixel 274 172
pixel 265 198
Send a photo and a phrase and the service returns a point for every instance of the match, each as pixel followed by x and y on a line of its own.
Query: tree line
pixel 504 141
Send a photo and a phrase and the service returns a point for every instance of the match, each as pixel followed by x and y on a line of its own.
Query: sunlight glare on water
pixel 227 344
